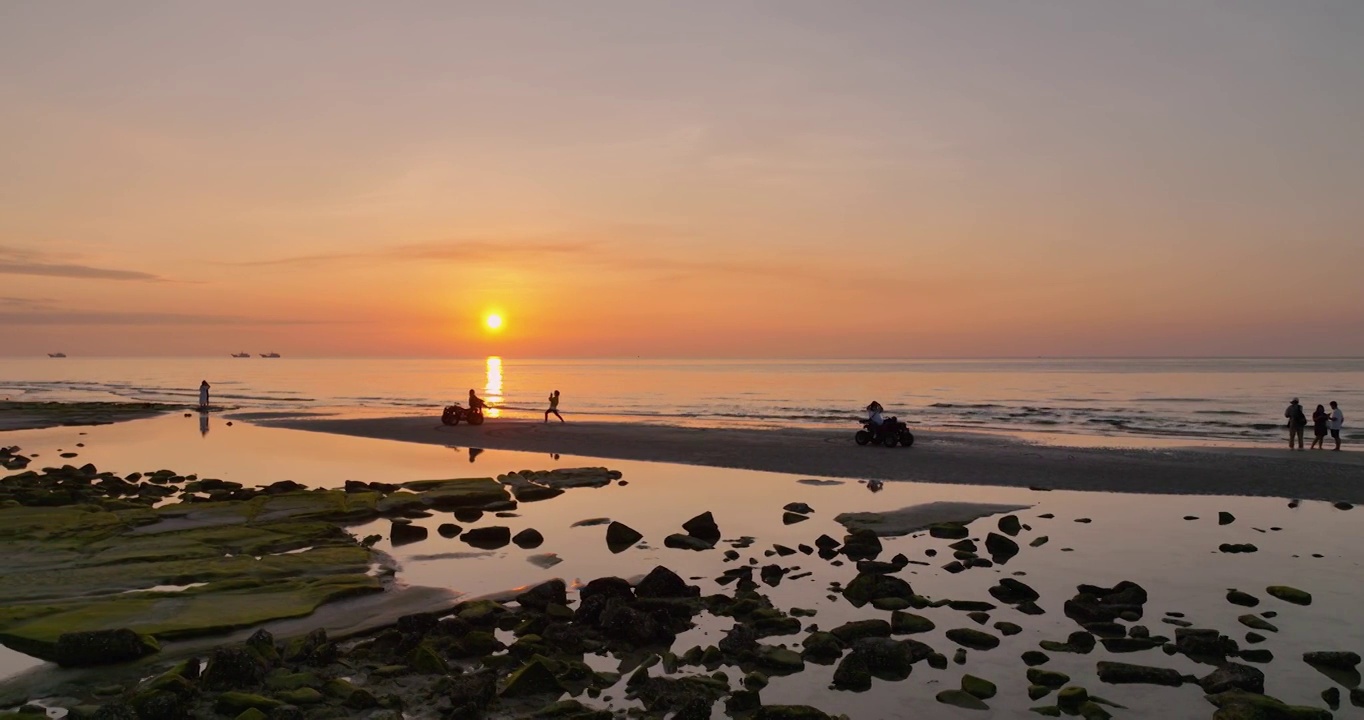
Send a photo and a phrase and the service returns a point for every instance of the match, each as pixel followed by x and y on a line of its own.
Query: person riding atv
pixel 473 414
pixel 882 431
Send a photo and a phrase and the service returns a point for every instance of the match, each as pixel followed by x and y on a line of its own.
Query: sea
pixel 1084 401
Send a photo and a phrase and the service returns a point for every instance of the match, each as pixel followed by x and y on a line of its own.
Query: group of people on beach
pixel 1322 423
pixel 478 403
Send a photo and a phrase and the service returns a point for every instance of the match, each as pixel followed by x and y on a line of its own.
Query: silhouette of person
pixel 473 453
pixel 554 406
pixel 203 395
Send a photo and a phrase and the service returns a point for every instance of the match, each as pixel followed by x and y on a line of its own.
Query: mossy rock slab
pixel 457 493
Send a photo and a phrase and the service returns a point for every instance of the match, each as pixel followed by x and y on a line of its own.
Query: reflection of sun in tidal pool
pixel 493 321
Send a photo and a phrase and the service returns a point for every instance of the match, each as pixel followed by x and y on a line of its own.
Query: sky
pixel 984 178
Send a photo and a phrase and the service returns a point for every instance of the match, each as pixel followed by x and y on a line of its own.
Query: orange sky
pixel 773 179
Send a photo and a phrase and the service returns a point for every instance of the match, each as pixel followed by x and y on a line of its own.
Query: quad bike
pixel 892 432
pixel 455 413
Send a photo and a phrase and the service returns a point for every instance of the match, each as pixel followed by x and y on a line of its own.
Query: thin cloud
pixel 18 261
pixel 74 317
pixel 461 250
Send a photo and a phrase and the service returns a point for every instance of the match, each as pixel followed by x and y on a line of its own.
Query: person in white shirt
pixel 874 411
pixel 1335 423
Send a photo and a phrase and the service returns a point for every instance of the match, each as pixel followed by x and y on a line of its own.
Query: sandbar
pixel 936 457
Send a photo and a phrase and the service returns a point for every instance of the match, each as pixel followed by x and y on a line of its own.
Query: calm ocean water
pixel 1201 399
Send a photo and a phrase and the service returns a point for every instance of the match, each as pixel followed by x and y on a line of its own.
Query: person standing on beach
pixel 1319 418
pixel 1335 423
pixel 554 407
pixel 1297 421
pixel 203 395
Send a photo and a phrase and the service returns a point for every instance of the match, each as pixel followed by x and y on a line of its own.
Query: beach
pixel 937 457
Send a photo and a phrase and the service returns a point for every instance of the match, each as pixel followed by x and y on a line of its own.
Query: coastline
pixel 936 457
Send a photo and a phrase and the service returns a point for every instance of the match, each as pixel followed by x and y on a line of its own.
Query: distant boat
pixel 269 355
pixel 241 354
pixel 56 354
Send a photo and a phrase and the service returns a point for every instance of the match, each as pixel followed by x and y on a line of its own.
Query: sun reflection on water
pixel 493 388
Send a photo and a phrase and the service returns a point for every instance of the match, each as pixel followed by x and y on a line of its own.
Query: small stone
pixel 974 639
pixel 1225 518
pixel 1007 628
pixel 902 623
pixel 1255 622
pixel 528 538
pixel 1047 678
pixel 449 530
pixel 1032 658
pixel 1236 597
pixel 961 699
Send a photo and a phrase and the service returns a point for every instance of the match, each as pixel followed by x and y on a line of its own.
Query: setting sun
pixel 494 322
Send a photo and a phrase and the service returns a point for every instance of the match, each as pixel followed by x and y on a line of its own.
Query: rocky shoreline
pixel 202 556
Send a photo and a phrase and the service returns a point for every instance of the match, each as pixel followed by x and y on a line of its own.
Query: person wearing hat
pixel 1297 422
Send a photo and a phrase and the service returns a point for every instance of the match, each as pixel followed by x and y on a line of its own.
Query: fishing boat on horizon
pixel 242 354
pixel 269 355
pixel 56 355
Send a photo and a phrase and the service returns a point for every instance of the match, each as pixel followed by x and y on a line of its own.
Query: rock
pixel 544 560
pixel 918 517
pixel 848 632
pixel 1007 628
pixel 620 536
pixel 740 641
pixel 1239 705
pixel 888 603
pixel 532 678
pixel 1125 673
pixel 679 541
pixel 233 703
pixel 1255 622
pixel 790 518
pixel 487 538
pixel 401 532
pixel 1013 591
pixel 861 545
pixel 780 659
pixel 1225 518
pixel 903 623
pixel 1334 660
pixel 1009 525
pixel 664 583
pixel 1233 676
pixel 540 597
pixel 1331 696
pixel 310 696
pixel 974 639
pixel 798 507
pixel 979 687
pixel 789 712
pixel 703 527
pixel 889 659
pixel 949 531
pixel 102 647
pixel 528 538
pixel 449 530
pixel 961 699
pixel 1037 692
pixel 1001 548
pixel 822 646
pixel 852 673
pixel 1047 678
pixel 232 667
pixel 1071 698
pixel 1236 597
pixel 468 514
pixel 1033 657
pixel 869 586
pixel 1290 594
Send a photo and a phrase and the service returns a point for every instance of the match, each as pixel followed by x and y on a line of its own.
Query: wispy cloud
pixel 18 261
pixel 79 317
pixel 453 250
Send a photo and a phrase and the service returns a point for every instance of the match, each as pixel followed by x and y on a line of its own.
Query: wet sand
pixel 958 458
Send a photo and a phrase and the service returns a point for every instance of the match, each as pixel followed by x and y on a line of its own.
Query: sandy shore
pixel 937 457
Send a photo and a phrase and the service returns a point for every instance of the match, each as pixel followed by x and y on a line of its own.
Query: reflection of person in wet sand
pixel 203 423
pixel 554 407
pixel 203 395
pixel 473 453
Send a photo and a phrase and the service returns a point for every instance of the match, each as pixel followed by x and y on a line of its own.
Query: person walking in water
pixel 203 395
pixel 1319 420
pixel 1336 422
pixel 1297 421
pixel 554 407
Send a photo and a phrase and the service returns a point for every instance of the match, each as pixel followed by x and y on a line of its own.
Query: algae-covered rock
pixel 1241 705
pixel 789 712
pixel 1290 594
pixel 780 659
pixel 850 631
pixel 301 696
pixel 1236 597
pixel 869 586
pixel 852 673
pixel 1033 658
pixel 961 699
pixel 532 678
pixel 822 645
pixel 903 623
pixel 979 687
pixel 1233 676
pixel 102 647
pixel 1047 678
pixel 1126 673
pixel 1071 698
pixel 423 659
pixel 232 703
pixel 1338 660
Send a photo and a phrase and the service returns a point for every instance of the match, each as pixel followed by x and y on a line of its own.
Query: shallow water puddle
pixel 1092 538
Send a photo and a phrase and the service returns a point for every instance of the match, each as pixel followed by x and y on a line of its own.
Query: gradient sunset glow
pixel 621 179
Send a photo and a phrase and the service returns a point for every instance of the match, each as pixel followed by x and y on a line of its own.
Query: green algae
pixel 22 415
